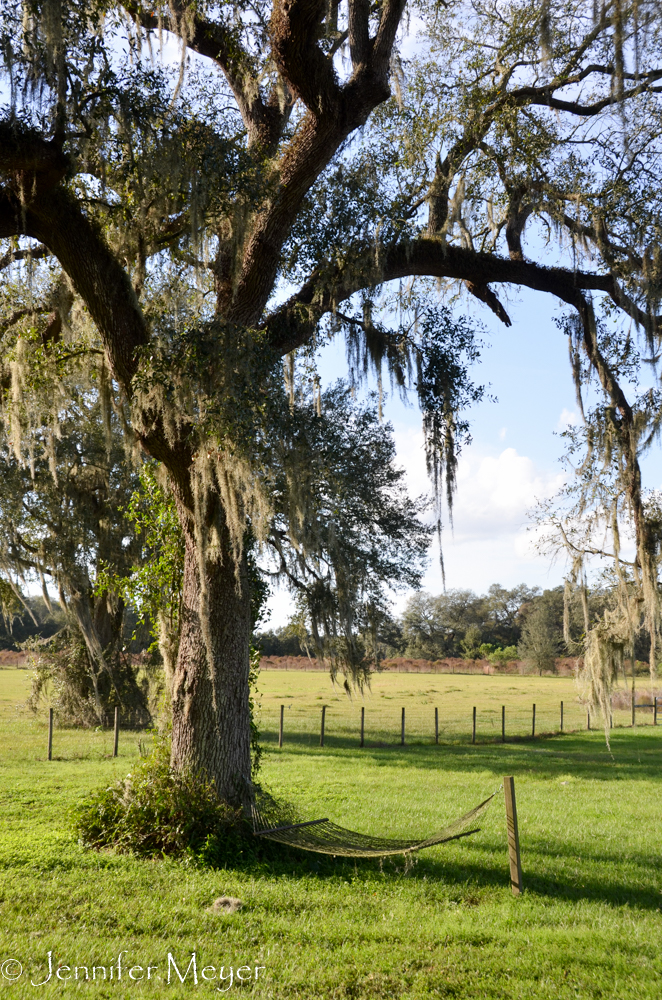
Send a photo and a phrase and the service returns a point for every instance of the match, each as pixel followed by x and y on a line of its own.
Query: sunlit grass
pixel 454 696
pixel 588 925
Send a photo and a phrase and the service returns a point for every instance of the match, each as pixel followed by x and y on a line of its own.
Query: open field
pixel 588 926
pixel 303 694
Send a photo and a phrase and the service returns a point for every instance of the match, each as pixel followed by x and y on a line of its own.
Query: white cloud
pixel 491 541
pixel 568 418
pixel 502 434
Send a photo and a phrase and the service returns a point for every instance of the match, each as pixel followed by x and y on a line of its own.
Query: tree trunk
pixel 210 701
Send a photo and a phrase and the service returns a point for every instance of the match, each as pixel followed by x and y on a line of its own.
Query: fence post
pixel 533 722
pixel 503 723
pixel 402 728
pixel 280 731
pixel 588 719
pixel 436 725
pixel 513 836
pixel 322 728
pixel 117 730
pixel 655 711
pixel 362 724
pixel 633 716
pixel 50 734
pixel 473 728
pixel 561 716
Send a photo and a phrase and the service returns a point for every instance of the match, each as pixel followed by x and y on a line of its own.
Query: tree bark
pixel 210 694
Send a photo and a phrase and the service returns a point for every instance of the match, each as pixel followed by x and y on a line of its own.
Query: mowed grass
pixel 588 925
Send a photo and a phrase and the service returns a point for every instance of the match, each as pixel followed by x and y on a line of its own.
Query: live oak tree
pixel 268 171
pixel 459 622
pixel 64 488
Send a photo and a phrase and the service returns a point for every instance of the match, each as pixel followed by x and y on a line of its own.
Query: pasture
pixel 587 926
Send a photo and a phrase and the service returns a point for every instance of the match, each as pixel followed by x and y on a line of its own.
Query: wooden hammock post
pixel 561 716
pixel 436 723
pixel 50 734
pixel 513 836
pixel 402 729
pixel 533 722
pixel 503 723
pixel 280 731
pixel 116 737
pixel 362 724
pixel 322 729
pixel 473 726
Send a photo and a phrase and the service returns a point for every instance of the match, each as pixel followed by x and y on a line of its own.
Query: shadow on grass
pixel 634 755
pixel 458 878
pixel 585 755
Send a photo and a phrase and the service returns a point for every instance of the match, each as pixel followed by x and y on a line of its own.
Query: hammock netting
pixel 326 838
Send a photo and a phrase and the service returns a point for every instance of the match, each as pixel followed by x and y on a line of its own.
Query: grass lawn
pixel 588 925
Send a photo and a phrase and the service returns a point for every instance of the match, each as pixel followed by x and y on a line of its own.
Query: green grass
pixel 588 925
pixel 303 694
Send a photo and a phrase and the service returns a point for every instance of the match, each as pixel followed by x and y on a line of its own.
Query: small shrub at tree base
pixel 155 811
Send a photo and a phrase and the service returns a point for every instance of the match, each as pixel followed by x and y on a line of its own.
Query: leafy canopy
pixel 222 214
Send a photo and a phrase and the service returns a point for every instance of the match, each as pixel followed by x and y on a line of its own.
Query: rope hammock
pixel 324 837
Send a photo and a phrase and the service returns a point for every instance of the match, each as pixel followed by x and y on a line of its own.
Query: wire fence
pixel 422 724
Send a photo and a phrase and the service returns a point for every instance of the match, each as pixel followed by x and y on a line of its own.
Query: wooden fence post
pixel 533 722
pixel 473 727
pixel 655 711
pixel 322 729
pixel 588 719
pixel 436 725
pixel 117 730
pixel 50 734
pixel 402 728
pixel 634 721
pixel 503 723
pixel 362 724
pixel 513 836
pixel 561 716
pixel 280 731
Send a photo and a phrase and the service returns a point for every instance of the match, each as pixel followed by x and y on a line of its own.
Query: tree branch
pixel 56 220
pixel 359 32
pixel 264 120
pixel 334 114
pixel 294 29
pixel 295 321
pixel 29 160
pixel 31 253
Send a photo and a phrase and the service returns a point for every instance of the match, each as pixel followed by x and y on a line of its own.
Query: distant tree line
pixel 523 623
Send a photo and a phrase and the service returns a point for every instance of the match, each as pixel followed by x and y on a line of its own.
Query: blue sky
pixel 514 458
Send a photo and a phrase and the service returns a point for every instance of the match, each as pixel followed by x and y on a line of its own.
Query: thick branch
pixel 359 33
pixel 29 160
pixel 264 120
pixel 29 253
pixel 57 221
pixel 334 114
pixel 294 323
pixel 294 30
